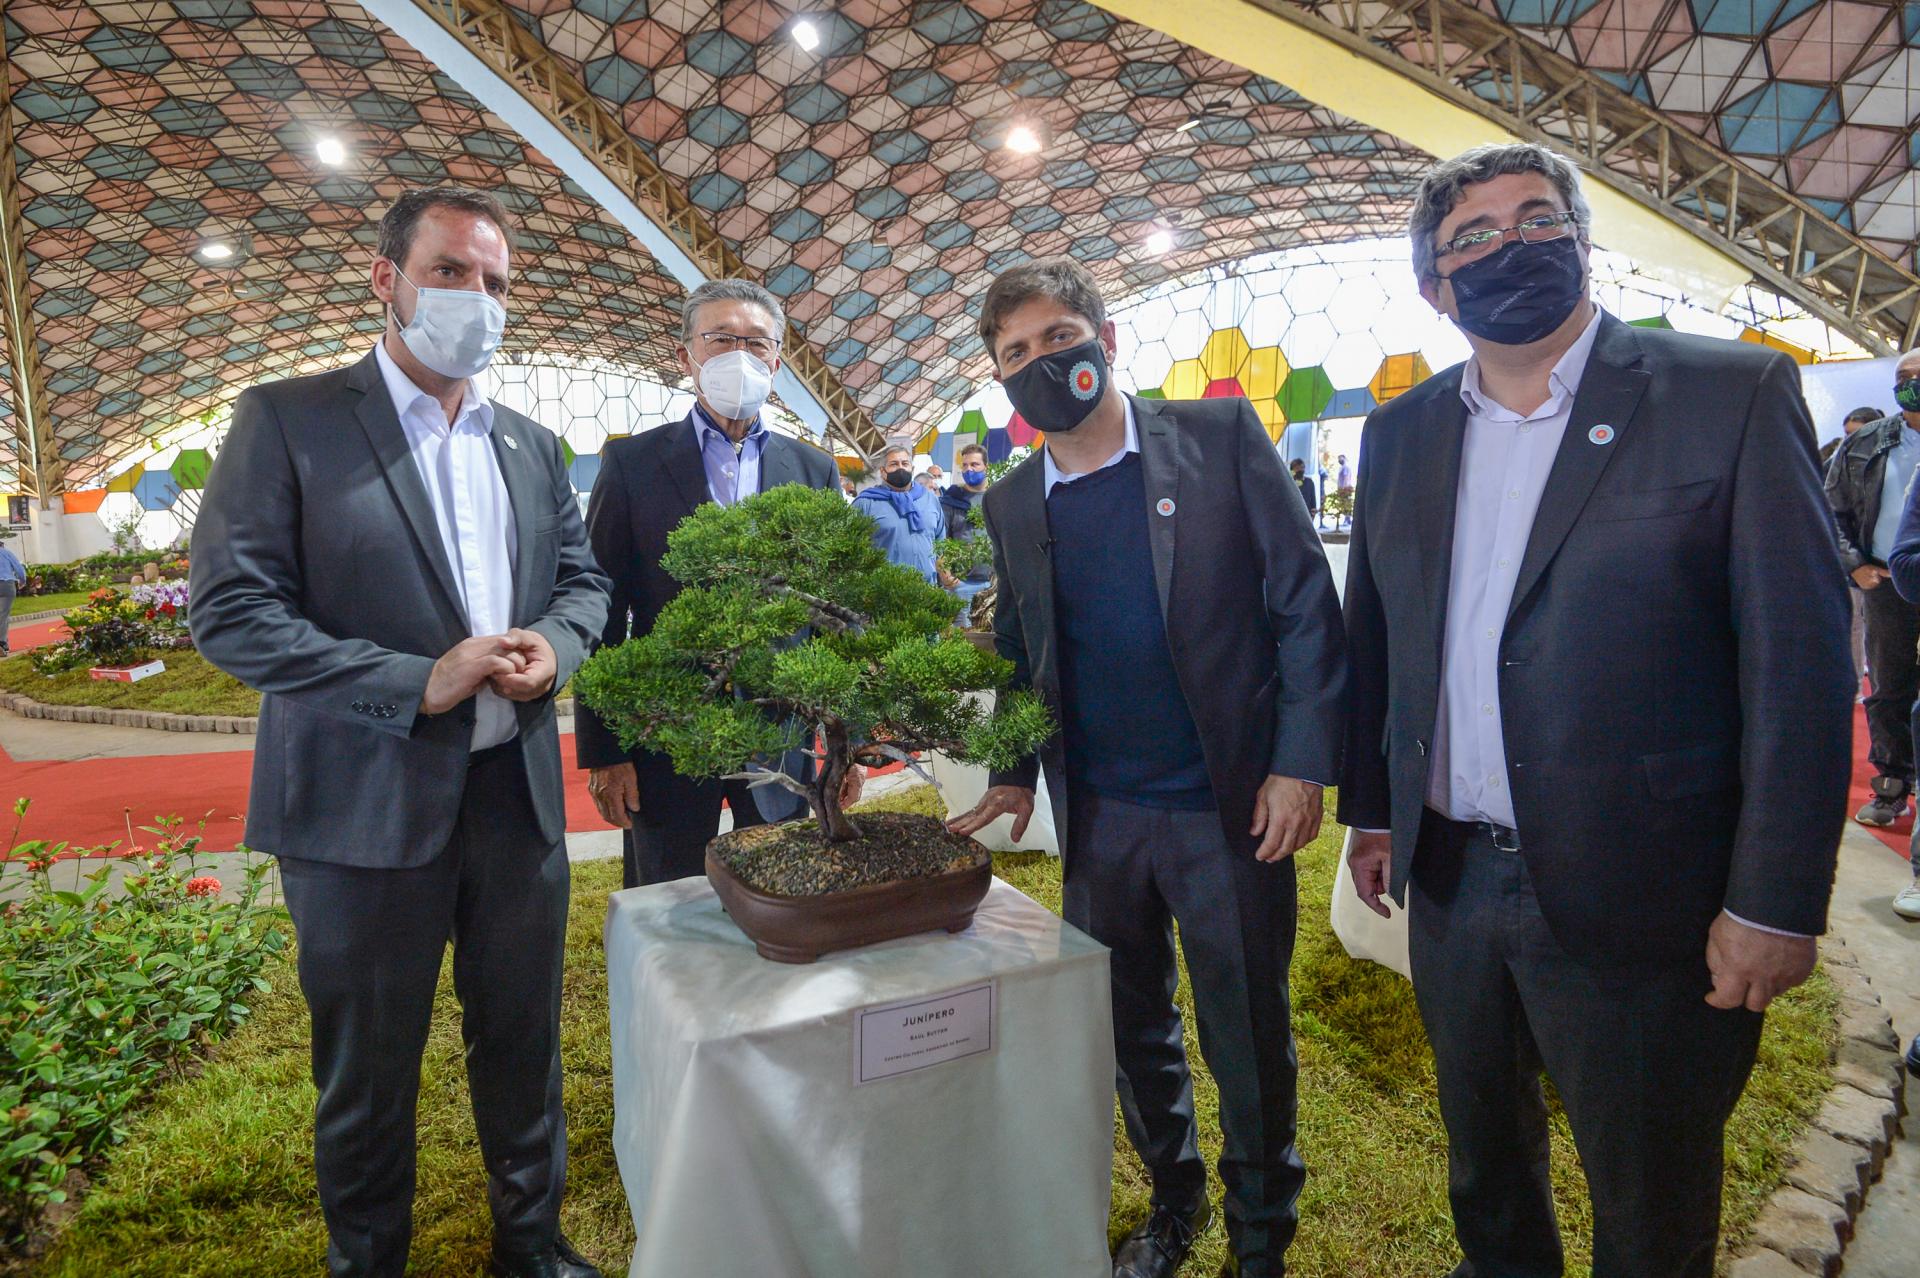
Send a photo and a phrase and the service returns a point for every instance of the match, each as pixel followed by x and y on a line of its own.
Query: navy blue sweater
pixel 1128 732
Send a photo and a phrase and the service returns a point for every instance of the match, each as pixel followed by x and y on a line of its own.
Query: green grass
pixel 189 685
pixel 58 601
pixel 216 1179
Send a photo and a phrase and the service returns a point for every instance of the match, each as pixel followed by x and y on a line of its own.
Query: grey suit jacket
pixel 1675 689
pixel 319 578
pixel 1252 618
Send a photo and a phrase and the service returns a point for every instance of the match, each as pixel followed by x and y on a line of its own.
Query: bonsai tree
pixel 792 630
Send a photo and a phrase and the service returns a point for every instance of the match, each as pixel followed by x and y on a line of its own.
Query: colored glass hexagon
pixel 1225 353
pixel 1398 374
pixel 1305 393
pixel 583 471
pixel 1357 402
pixel 156 490
pixel 189 469
pixel 124 482
pixel 1266 369
pixel 1188 380
pixel 1223 388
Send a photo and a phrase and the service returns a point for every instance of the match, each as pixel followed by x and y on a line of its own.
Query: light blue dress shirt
pixel 732 473
pixel 1903 460
pixel 11 569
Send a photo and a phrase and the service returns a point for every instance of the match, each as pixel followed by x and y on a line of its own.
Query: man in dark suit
pixel 1163 590
pixel 1602 701
pixel 730 335
pixel 399 566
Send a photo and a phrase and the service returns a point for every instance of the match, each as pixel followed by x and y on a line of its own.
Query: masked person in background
pixel 730 336
pixel 1163 590
pixel 1601 726
pixel 958 501
pixel 906 515
pixel 398 565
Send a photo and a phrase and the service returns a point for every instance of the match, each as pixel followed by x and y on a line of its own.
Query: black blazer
pixel 320 579
pixel 648 483
pixel 1252 617
pixel 1675 687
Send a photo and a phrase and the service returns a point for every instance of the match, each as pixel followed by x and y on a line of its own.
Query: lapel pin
pixel 1164 505
pixel 511 441
pixel 1600 435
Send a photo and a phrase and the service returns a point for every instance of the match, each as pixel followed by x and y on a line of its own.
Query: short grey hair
pixel 730 290
pixel 1060 278
pixel 1443 184
pixel 879 461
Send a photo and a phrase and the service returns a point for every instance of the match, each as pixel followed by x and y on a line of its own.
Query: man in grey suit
pixel 1602 701
pixel 1162 588
pixel 400 567
pixel 730 336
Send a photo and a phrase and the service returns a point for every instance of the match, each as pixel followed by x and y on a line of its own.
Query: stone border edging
pixel 1807 1223
pixel 245 725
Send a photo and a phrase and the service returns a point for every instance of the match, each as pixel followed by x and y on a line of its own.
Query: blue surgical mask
pixel 973 478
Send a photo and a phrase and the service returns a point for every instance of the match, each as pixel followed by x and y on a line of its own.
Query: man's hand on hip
pixel 538 669
pixel 616 792
pixel 994 804
pixel 465 667
pixel 1371 860
pixel 1752 967
pixel 1870 576
pixel 1286 817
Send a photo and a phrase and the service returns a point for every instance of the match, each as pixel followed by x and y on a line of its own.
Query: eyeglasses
pixel 1471 245
pixel 761 348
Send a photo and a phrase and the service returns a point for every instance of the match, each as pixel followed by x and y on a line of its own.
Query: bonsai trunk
pixel 834 824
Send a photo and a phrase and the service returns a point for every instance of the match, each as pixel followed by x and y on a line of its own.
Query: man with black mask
pixel 1162 588
pixel 1599 740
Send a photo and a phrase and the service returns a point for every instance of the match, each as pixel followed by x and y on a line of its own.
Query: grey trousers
pixel 1132 872
pixel 370 948
pixel 1647 1072
pixel 8 589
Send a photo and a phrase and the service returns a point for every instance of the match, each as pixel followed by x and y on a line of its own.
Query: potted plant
pixel 794 642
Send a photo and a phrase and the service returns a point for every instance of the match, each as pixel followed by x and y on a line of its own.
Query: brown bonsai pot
pixel 799 929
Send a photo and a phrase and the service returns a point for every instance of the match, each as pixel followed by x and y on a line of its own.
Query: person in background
pixel 933 478
pixel 1854 421
pixel 1172 606
pixel 1305 485
pixel 1867 483
pixel 1343 478
pixel 731 331
pixel 957 504
pixel 906 516
pixel 1903 564
pixel 397 564
pixel 1600 737
pixel 13 579
pixel 847 489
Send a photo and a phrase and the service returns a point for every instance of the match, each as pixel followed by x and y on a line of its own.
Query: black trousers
pixel 1893 679
pixel 1131 873
pixel 678 817
pixel 1647 1072
pixel 370 948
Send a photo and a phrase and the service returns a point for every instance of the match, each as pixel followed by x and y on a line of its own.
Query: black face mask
pixel 899 478
pixel 1520 292
pixel 1055 392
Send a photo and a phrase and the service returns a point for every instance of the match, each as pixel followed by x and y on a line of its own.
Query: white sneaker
pixel 1907 904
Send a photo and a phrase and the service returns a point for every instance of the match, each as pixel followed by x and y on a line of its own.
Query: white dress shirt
pixel 475 517
pixel 1504 464
pixel 1052 474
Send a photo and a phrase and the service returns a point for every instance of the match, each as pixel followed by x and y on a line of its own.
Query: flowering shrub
pixel 110 629
pixel 102 989
pixel 166 609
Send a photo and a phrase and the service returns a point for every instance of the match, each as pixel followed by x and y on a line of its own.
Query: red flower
pixel 205 885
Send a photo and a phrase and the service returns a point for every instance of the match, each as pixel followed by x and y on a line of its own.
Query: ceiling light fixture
pixel 214 251
pixel 332 151
pixel 806 35
pixel 1160 242
pixel 1022 140
pixel 1193 123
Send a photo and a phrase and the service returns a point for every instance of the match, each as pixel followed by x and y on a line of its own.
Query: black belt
pixel 1502 837
pixel 505 749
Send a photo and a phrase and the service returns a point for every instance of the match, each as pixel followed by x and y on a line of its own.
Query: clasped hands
pixel 1749 966
pixel 518 665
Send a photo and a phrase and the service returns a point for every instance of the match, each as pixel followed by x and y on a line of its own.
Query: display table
pixel 747 1147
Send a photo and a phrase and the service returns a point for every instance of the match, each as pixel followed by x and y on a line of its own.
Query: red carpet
pixel 88 804
pixel 1896 835
pixel 36 634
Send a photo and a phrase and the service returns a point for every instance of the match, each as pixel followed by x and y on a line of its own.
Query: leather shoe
pixel 1159 1247
pixel 557 1261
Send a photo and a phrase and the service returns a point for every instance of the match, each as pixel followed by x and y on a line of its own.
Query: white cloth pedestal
pixel 746 1148
pixel 962 784
pixel 1364 934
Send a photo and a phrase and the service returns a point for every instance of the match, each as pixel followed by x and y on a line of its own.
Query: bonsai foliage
pixel 793 631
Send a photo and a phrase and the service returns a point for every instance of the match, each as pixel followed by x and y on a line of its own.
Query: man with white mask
pixel 730 336
pixel 399 566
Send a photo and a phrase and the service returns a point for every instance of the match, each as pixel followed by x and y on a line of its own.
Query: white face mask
pixel 736 384
pixel 454 331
